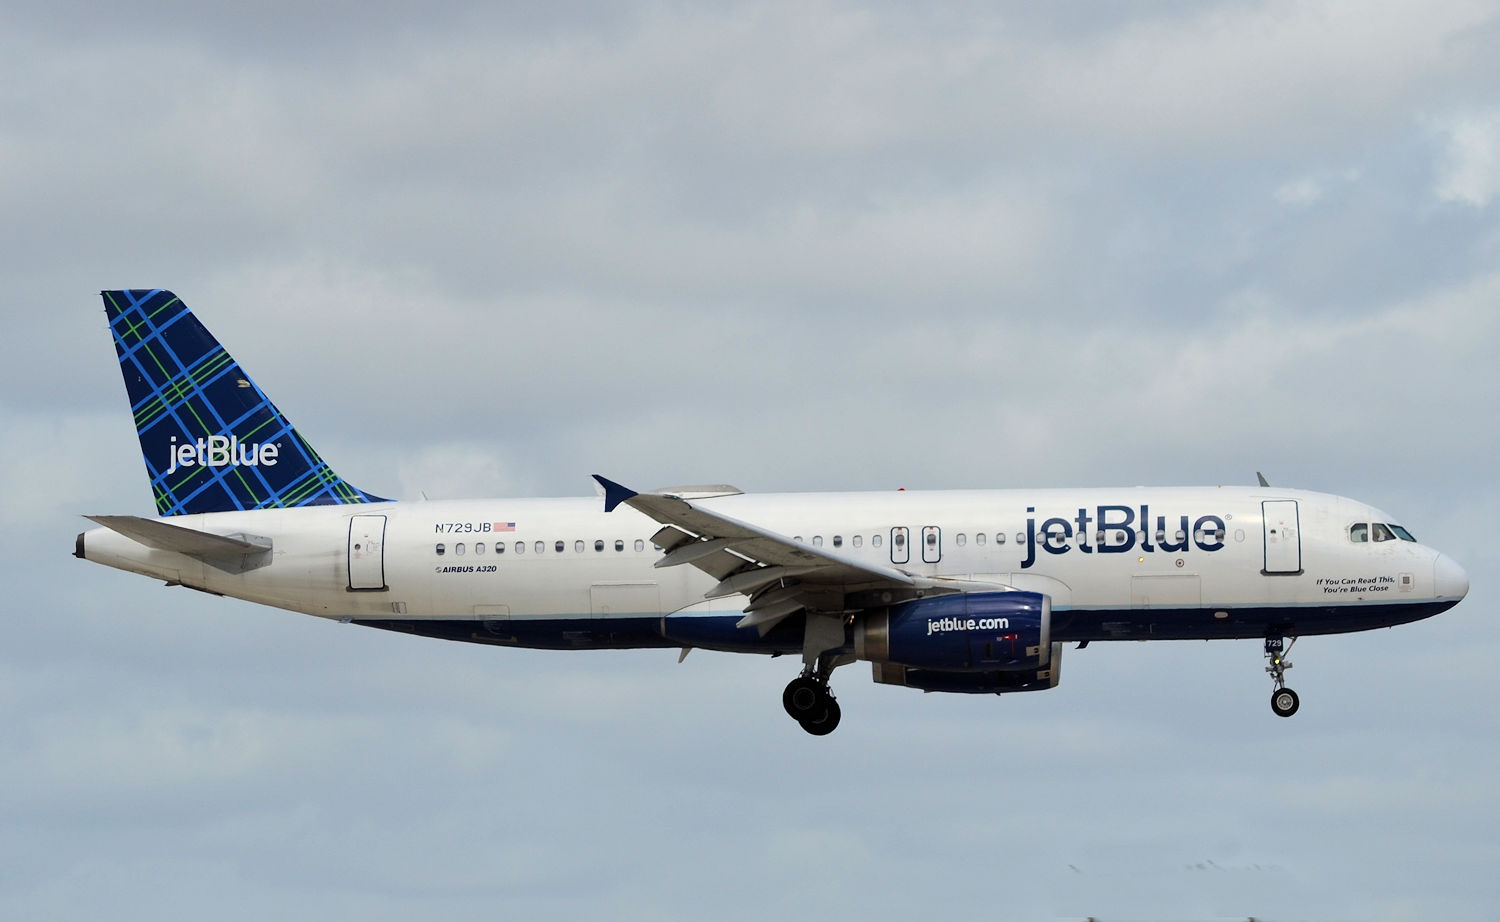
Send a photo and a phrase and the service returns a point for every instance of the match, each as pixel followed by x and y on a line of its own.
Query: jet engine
pixel 967 631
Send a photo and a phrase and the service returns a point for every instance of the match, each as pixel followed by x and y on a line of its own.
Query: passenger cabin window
pixel 960 539
pixel 442 549
pixel 598 545
pixel 459 549
pixel 979 540
pixel 540 547
pixel 639 545
pixel 499 547
pixel 577 547
pixel 619 545
pixel 817 540
pixel 858 540
pixel 520 547
pixel 838 540
pixel 478 548
pixel 874 541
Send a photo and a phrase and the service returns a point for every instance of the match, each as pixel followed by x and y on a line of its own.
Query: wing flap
pixel 691 551
pixel 749 580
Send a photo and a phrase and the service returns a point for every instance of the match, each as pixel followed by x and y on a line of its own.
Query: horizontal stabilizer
pixel 231 553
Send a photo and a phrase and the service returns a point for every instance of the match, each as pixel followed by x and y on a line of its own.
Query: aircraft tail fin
pixel 212 440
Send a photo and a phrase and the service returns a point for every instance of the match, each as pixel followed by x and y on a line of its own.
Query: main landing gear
pixel 810 702
pixel 1283 700
pixel 807 698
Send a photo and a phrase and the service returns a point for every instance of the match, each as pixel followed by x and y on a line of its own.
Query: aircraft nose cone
pixel 1448 578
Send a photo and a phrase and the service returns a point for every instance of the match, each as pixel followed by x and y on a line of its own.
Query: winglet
pixel 1262 478
pixel 614 494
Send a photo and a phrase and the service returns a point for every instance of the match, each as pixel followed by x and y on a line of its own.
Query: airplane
pixel 972 591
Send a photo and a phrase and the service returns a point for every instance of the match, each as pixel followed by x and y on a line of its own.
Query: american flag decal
pixel 504 526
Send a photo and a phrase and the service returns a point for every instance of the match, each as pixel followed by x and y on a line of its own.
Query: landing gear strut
pixel 1283 700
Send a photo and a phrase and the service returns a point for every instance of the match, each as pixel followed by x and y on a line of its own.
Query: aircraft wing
pixel 781 576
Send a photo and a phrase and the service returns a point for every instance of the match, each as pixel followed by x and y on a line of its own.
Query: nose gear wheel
pixel 1284 701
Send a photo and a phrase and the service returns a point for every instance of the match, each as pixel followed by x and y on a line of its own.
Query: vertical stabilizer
pixel 213 442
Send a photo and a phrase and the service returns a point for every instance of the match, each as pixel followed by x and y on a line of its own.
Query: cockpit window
pixel 1361 532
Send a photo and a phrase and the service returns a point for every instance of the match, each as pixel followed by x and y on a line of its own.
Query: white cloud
pixel 1300 192
pixel 1469 169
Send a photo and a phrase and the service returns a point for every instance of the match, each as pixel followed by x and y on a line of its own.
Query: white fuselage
pixel 1118 563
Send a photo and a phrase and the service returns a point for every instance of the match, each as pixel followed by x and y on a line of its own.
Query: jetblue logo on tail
pixel 221 451
pixel 211 439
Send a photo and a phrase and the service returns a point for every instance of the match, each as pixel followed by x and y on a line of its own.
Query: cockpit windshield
pixel 1364 532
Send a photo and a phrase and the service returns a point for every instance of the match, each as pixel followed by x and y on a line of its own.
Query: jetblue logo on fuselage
pixel 1113 530
pixel 222 451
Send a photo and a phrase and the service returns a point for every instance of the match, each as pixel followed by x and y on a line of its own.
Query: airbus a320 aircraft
pixel 961 591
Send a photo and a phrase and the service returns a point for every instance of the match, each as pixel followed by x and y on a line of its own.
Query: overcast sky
pixel 476 250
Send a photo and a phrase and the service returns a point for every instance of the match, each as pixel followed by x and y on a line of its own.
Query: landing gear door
pixel 367 553
pixel 1283 537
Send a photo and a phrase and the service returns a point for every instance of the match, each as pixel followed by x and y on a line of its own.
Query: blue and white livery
pixel 960 591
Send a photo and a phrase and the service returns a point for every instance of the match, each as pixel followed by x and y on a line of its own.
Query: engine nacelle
pixel 962 632
pixel 973 683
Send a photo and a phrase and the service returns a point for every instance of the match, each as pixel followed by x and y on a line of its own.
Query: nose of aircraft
pixel 1448 578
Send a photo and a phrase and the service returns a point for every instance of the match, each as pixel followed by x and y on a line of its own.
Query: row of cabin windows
pixel 962 538
pixel 899 540
pixel 540 547
pixel 1357 533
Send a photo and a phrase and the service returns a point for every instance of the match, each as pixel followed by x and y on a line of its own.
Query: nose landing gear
pixel 1284 701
